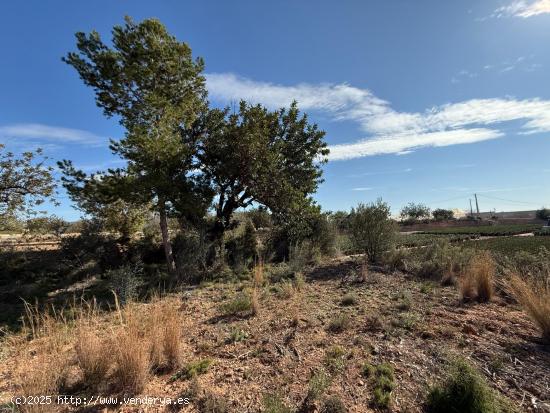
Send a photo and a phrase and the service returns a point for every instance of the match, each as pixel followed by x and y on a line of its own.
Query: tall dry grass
pixel 534 297
pixel 138 338
pixel 164 330
pixel 91 355
pixel 478 282
pixel 41 368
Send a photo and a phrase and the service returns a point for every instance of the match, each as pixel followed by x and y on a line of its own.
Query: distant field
pixel 422 239
pixel 509 245
pixel 487 230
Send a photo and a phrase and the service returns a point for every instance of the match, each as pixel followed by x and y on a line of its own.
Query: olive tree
pixel 257 156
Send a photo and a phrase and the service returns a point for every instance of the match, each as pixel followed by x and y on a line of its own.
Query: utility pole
pixel 471 210
pixel 477 205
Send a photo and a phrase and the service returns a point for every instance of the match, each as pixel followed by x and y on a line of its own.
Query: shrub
pixel 240 304
pixel 372 229
pixel 286 289
pixel 405 301
pixel 374 322
pixel 318 384
pixel 333 405
pixel 192 370
pixel 396 259
pixel 299 281
pixel 273 403
pixel 534 296
pixel 349 299
pixel 465 391
pixel 335 359
pixel 339 323
pixel 212 403
pixel 236 335
pixel 125 281
pixel 383 377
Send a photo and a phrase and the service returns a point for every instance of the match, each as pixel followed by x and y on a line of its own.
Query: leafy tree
pixel 260 217
pixel 414 212
pixel 441 214
pixel 259 156
pixel 149 80
pixel 25 182
pixel 543 213
pixel 372 228
pixel 47 225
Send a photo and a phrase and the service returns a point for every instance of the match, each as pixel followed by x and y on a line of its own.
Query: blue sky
pixel 425 101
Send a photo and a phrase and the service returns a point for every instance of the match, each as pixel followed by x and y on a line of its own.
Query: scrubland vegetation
pixel 205 271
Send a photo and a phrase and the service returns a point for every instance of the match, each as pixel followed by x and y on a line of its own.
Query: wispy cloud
pixel 522 8
pixel 362 189
pixel 390 131
pixel 521 63
pixel 53 134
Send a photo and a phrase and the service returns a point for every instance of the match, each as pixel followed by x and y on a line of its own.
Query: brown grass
pixel 259 278
pixel 255 301
pixel 478 283
pixel 535 299
pixel 43 375
pixel 91 355
pixel 131 356
pixel 164 331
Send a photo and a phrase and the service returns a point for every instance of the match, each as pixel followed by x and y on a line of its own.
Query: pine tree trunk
pixel 166 239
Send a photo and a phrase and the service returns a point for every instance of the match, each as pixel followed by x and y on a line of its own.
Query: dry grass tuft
pixel 91 355
pixel 131 357
pixel 259 278
pixel 535 299
pixel 43 375
pixel 483 267
pixel 164 330
pixel 255 302
pixel 478 283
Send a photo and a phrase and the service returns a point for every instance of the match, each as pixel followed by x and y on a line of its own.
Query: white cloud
pixel 407 142
pixel 390 131
pixel 523 8
pixel 362 189
pixel 36 131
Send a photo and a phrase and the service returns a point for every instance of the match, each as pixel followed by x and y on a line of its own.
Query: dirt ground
pixel 414 325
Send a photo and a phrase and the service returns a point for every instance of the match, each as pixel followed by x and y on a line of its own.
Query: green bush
pixel 273 403
pixel 126 281
pixel 339 323
pixel 333 404
pixel 240 304
pixel 372 229
pixel 192 370
pixel 318 384
pixel 382 377
pixel 335 359
pixel 464 391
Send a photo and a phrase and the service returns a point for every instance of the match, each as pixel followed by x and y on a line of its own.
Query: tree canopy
pixel 26 181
